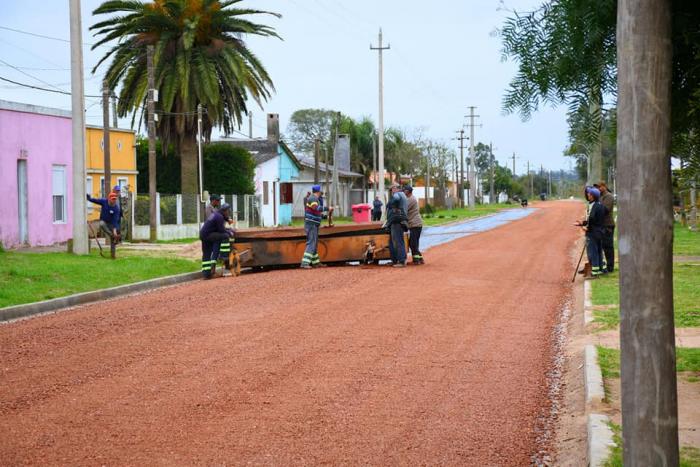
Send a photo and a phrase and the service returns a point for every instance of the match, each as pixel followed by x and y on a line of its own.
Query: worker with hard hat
pixel 213 235
pixel 313 215
pixel 110 218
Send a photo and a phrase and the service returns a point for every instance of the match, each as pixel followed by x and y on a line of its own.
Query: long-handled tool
pixel 579 262
pixel 95 237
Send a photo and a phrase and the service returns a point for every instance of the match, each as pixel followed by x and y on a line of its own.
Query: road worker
pixel 608 200
pixel 110 219
pixel 377 209
pixel 594 231
pixel 213 234
pixel 415 225
pixel 397 222
pixel 213 205
pixel 313 215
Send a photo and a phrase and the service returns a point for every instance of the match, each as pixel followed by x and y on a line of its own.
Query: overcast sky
pixel 444 57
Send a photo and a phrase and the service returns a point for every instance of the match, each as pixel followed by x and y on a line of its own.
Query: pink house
pixel 35 175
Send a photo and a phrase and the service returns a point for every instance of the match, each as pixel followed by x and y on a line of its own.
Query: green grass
pixel 690 456
pixel 444 216
pixel 178 240
pixel 685 242
pixel 686 297
pixel 31 277
pixel 687 360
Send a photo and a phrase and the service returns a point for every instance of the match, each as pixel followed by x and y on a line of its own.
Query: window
pixel 122 182
pixel 102 187
pixel 266 195
pixel 58 193
pixel 88 190
pixel 286 190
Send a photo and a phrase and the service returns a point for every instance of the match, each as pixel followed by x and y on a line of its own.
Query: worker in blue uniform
pixel 212 234
pixel 313 215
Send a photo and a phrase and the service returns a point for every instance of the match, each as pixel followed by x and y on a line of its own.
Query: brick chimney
pixel 273 128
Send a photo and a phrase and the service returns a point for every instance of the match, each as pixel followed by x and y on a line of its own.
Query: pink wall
pixel 46 139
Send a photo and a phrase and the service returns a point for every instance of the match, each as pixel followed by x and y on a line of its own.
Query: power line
pixel 42 36
pixel 40 69
pixel 30 75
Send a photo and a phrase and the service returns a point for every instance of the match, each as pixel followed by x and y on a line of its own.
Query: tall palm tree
pixel 200 57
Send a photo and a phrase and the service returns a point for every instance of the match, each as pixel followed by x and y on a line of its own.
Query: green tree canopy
pixel 228 169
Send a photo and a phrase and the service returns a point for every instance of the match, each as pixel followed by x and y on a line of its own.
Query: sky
pixel 445 56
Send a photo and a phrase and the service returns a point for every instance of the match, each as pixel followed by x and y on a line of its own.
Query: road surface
pixel 439 364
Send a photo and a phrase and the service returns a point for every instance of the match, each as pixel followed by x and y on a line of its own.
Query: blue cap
pixel 595 192
pixel 117 188
pixel 316 188
pixel 408 188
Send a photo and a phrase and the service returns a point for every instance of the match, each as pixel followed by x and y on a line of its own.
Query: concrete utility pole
pixel 115 117
pixel 199 154
pixel 460 193
pixel 647 336
pixel 513 163
pixel 380 126
pixel 491 176
pixel 105 138
pixel 250 124
pixel 693 207
pixel 80 238
pixel 375 183
pixel 317 156
pixel 472 175
pixel 151 109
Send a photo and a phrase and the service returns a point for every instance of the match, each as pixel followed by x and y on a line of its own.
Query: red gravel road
pixel 442 364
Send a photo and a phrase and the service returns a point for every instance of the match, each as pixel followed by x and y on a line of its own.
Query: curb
pixel 587 303
pixel 29 309
pixel 593 376
pixel 600 439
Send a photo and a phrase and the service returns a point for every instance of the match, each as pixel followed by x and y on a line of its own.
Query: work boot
pixel 400 265
pixel 319 265
pixel 226 273
pixel 305 266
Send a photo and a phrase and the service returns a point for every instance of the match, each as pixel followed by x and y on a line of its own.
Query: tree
pixel 200 58
pixel 402 153
pixel 566 54
pixel 306 125
pixel 228 169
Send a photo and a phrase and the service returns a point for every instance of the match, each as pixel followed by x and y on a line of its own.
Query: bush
pixel 228 169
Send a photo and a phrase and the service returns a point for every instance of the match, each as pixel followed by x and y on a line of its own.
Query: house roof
pixel 33 109
pixel 308 161
pixel 262 150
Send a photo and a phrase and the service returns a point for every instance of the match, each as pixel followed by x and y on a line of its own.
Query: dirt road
pixel 440 364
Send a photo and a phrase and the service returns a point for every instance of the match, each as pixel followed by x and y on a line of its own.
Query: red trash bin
pixel 362 213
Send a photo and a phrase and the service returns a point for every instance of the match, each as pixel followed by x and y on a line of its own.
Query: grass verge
pixel 444 216
pixel 685 242
pixel 690 456
pixel 32 277
pixel 686 297
pixel 687 360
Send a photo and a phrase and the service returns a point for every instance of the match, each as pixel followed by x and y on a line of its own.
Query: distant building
pixel 276 169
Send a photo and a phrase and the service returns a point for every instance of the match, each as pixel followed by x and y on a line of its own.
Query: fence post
pixel 157 209
pixel 178 209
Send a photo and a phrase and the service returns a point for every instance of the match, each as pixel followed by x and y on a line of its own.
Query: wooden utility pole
pixel 647 340
pixel 115 117
pixel 250 124
pixel 80 237
pixel 380 126
pixel 151 109
pixel 317 155
pixel 105 138
pixel 460 193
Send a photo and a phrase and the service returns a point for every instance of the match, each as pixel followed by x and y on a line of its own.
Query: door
pixel 22 201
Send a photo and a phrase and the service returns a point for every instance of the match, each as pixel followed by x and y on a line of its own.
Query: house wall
pixel 46 141
pixel 122 161
pixel 303 185
pixel 288 173
pixel 267 172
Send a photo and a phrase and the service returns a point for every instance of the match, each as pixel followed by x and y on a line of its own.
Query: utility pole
pixel 491 176
pixel 375 183
pixel 328 183
pixel 80 238
pixel 460 193
pixel 151 109
pixel 317 156
pixel 199 153
pixel 693 207
pixel 427 180
pixel 380 49
pixel 647 335
pixel 529 177
pixel 250 124
pixel 513 157
pixel 115 119
pixel 472 175
pixel 105 138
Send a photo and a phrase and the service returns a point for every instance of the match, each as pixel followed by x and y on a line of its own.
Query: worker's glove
pixel 87 197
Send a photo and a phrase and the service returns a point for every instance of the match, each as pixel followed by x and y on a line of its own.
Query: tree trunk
pixel 189 167
pixel 647 343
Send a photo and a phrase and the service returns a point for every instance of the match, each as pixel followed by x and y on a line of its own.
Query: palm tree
pixel 200 57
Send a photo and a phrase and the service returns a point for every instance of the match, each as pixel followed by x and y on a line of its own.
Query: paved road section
pixel 438 364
